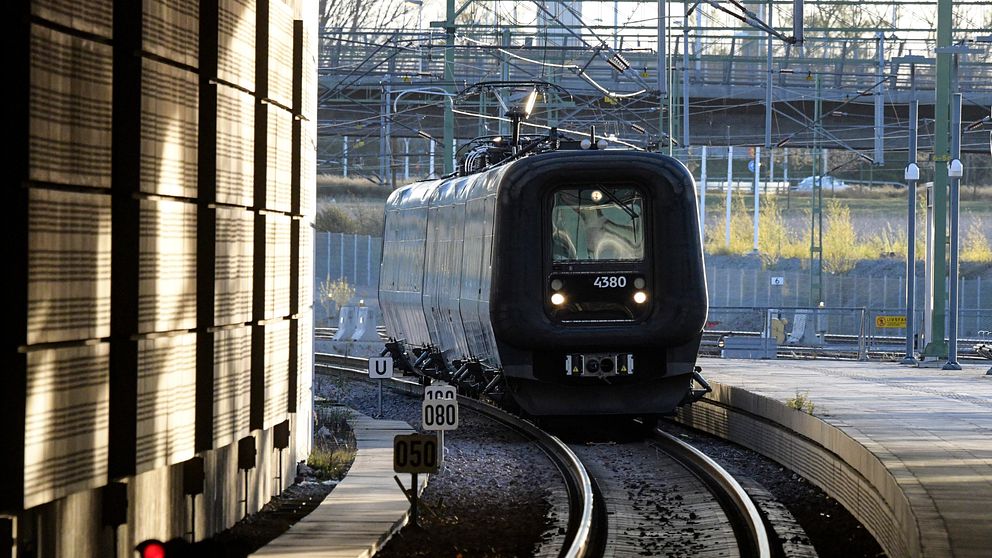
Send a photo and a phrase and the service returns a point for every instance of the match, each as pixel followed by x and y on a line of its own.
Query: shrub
pixel 775 240
pixel 975 245
pixel 369 220
pixel 339 292
pixel 741 232
pixel 332 218
pixel 801 402
pixel 840 243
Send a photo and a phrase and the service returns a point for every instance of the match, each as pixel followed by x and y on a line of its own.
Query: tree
pixel 350 15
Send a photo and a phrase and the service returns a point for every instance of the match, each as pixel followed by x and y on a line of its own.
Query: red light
pixel 152 549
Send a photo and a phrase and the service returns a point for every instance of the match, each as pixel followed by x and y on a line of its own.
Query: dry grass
pixel 334 446
pixel 841 249
pixel 975 245
pixel 843 246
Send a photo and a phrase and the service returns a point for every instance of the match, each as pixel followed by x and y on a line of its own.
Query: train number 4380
pixel 610 281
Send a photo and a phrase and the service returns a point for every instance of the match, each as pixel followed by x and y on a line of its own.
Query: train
pixel 564 276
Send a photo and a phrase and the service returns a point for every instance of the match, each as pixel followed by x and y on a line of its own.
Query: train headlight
pixel 640 297
pixel 639 283
pixel 556 284
pixel 557 299
pixel 597 196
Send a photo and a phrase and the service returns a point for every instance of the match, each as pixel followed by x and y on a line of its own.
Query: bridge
pixel 381 88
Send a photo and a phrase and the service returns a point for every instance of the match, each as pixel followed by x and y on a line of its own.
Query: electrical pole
pixel 685 76
pixel 447 152
pixel 662 70
pixel 936 345
pixel 816 212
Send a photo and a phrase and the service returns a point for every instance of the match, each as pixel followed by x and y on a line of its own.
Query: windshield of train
pixel 597 224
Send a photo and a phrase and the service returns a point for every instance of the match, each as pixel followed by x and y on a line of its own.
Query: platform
pixel 362 511
pixel 907 450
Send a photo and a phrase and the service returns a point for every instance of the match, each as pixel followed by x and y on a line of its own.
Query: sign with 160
pixel 439 411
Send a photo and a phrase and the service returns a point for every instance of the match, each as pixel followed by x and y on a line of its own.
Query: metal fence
pixel 762 289
pixel 741 299
pixel 352 257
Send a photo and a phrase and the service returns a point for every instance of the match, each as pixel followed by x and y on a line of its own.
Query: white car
pixel 826 182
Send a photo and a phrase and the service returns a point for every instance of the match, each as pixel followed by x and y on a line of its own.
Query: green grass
pixel 801 402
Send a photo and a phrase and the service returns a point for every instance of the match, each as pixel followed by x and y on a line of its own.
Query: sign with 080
pixel 439 414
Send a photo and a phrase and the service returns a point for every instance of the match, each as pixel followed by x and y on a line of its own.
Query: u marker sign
pixel 381 368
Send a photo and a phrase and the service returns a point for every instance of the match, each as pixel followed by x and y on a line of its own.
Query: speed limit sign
pixel 439 414
pixel 415 453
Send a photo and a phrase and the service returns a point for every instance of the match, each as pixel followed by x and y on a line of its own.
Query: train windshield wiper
pixel 613 197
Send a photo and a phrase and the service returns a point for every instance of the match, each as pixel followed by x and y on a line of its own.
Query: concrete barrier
pixel 365 329
pixel 749 347
pixel 347 322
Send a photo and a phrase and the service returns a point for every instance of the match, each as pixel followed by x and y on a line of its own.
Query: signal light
pixel 152 549
pixel 180 548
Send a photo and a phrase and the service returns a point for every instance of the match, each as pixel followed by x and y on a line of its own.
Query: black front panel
pixel 591 296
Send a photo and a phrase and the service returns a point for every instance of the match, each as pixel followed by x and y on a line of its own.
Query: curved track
pixel 588 522
pixel 581 536
pixel 748 526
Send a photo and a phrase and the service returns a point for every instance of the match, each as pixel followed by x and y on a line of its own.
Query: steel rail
pixel 580 534
pixel 747 523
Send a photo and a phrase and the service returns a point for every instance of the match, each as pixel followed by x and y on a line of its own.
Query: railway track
pixel 581 534
pixel 602 518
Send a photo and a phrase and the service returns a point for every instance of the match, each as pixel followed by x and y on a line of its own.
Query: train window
pixel 597 224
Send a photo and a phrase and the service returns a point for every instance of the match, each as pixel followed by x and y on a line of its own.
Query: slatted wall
pixel 58 411
pixel 304 210
pixel 165 273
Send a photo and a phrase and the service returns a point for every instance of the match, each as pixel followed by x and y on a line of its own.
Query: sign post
pixel 414 454
pixel 380 368
pixel 439 412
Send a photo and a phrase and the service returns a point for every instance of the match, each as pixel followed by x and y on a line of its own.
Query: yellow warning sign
pixel 890 321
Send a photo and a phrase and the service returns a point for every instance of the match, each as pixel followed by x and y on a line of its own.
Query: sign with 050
pixel 415 453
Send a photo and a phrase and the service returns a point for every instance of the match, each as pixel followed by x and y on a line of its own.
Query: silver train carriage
pixel 579 274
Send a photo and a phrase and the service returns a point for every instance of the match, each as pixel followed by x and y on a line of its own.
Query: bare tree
pixel 351 15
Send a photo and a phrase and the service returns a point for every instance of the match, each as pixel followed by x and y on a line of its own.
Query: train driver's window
pixel 597 224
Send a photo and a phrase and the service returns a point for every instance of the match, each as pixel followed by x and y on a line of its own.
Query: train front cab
pixel 614 284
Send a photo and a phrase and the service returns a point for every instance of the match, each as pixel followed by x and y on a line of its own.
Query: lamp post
pixel 912 176
pixel 955 170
